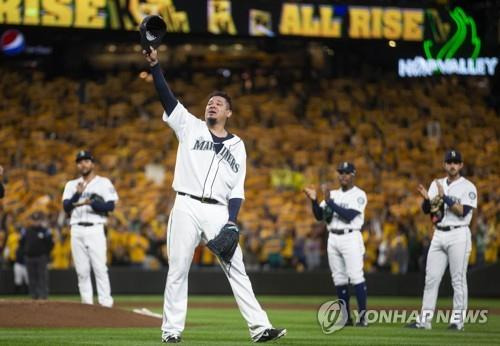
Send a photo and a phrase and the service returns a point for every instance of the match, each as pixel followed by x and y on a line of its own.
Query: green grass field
pixel 225 326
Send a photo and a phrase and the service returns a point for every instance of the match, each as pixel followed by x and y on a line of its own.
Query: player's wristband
pixel 449 202
pixel 75 197
pixel 234 206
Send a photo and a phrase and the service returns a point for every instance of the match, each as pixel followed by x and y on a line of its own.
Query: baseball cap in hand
pixel 453 156
pixel 84 155
pixel 152 30
pixel 346 167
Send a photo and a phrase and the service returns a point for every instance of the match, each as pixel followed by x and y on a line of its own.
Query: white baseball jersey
pixel 354 198
pixel 199 170
pixel 99 185
pixel 461 190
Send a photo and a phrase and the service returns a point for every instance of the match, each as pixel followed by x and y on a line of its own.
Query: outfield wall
pixel 483 282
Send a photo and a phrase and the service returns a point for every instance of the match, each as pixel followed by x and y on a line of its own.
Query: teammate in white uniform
pixel 209 180
pixel 345 242
pixel 88 217
pixel 451 242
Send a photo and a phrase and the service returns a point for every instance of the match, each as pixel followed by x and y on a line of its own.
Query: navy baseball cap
pixel 346 167
pixel 453 156
pixel 84 155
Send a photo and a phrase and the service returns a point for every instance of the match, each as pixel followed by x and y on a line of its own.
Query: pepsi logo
pixel 12 42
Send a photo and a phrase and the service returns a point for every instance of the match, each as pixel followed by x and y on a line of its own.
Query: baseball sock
pixel 343 293
pixel 361 297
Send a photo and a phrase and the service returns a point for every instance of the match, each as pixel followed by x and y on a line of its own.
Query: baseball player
pixel 451 243
pixel 343 212
pixel 88 199
pixel 209 181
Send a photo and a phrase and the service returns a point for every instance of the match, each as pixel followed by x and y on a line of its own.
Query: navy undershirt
pixel 167 98
pixel 219 141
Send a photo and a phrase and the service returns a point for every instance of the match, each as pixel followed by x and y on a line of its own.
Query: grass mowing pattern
pixel 227 327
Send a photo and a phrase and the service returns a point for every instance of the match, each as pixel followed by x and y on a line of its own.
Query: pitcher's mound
pixel 34 313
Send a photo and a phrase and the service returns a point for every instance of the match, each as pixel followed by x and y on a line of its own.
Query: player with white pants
pixel 343 211
pixel 451 243
pixel 88 217
pixel 209 180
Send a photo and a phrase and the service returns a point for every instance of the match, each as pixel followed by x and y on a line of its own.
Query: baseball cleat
pixel 362 323
pixel 416 325
pixel 171 339
pixel 271 334
pixel 349 323
pixel 455 326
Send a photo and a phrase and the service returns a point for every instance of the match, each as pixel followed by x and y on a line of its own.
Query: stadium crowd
pixel 296 128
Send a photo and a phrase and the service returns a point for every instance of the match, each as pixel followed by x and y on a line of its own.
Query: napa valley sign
pixel 452 47
pixel 422 67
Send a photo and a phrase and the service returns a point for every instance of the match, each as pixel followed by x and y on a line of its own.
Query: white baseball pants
pixel 345 257
pixel 88 247
pixel 451 247
pixel 190 222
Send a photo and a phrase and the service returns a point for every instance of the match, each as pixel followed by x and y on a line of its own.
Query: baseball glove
pixel 327 214
pixel 437 209
pixel 225 243
pixel 97 198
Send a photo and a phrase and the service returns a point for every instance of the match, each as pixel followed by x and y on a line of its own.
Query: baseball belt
pixel 342 231
pixel 85 224
pixel 448 228
pixel 201 199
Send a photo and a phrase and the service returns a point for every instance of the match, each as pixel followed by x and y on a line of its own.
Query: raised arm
pixel 167 98
pixel 312 195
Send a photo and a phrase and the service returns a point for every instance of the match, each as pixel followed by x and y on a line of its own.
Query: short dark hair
pixel 223 95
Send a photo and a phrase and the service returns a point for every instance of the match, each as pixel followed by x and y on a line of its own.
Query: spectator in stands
pixel 21 277
pixel 387 125
pixel 137 245
pixel 61 252
pixel 399 253
pixel 12 256
pixel 312 251
pixel 299 262
pixel 35 246
pixel 2 189
pixel 272 246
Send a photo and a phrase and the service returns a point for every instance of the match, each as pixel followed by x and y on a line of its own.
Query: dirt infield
pixel 68 314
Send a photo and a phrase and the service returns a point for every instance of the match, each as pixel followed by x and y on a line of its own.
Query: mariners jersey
pixel 354 198
pixel 462 191
pixel 199 170
pixel 98 185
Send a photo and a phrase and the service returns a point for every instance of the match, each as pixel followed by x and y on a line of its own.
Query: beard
pixel 453 173
pixel 85 172
pixel 211 121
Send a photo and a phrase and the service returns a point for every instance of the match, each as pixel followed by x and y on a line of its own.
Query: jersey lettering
pixel 227 156
pixel 202 144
